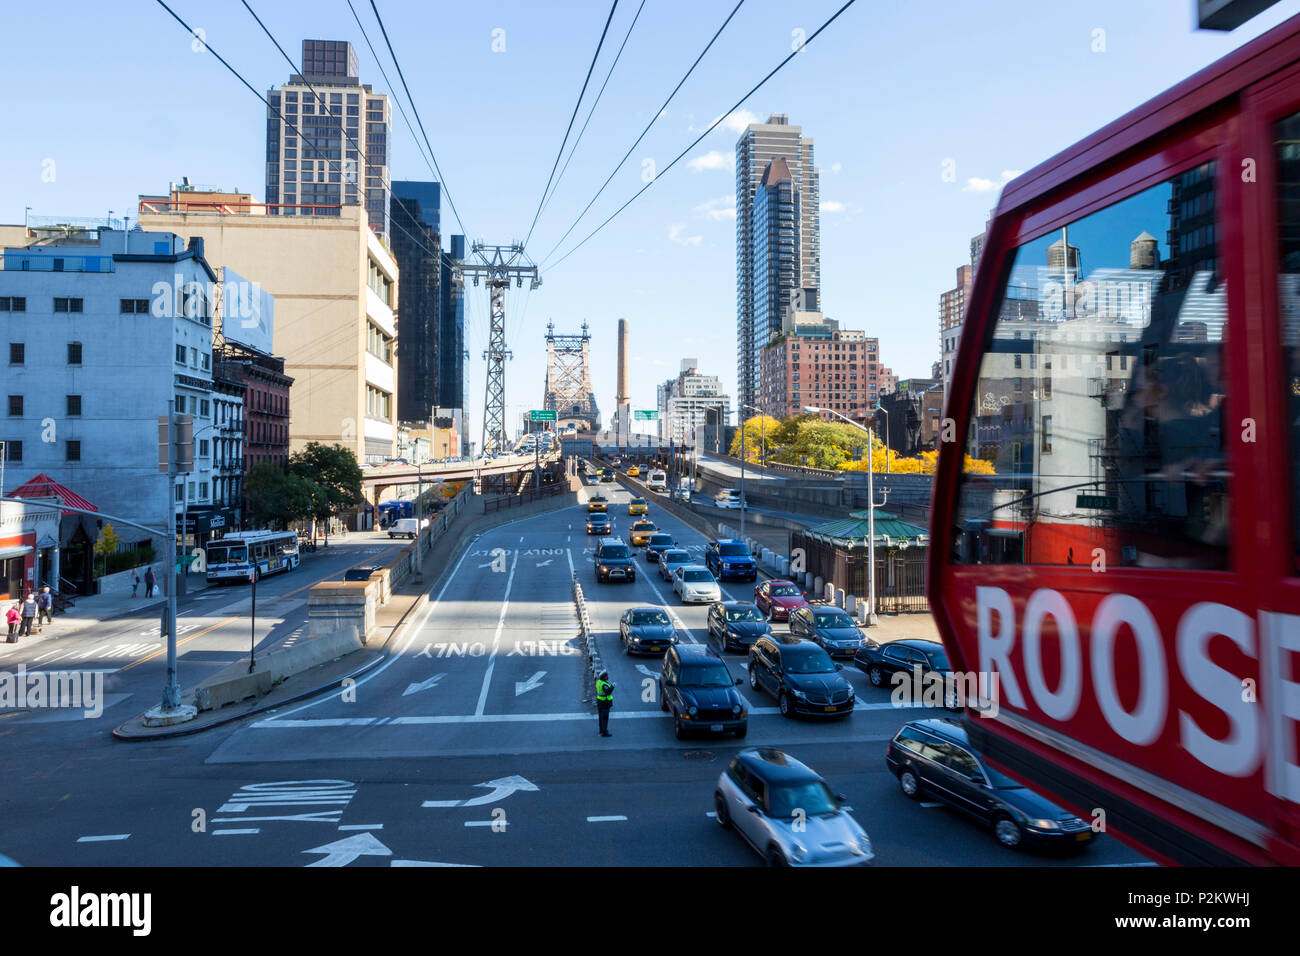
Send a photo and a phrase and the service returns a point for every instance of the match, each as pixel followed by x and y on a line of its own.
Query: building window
pixel 74 404
pixel 1047 434
pixel 13 451
pixel 16 303
pixel 74 451
pixel 74 353
pixel 17 353
pixel 180 492
pixel 180 355
pixel 67 305
pixel 203 408
pixel 203 448
pixel 203 489
pixel 15 406
pixel 180 404
pixel 133 307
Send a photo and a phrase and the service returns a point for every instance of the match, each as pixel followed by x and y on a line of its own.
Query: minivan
pixel 404 528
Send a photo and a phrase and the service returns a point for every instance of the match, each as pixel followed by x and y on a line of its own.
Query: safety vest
pixel 604 690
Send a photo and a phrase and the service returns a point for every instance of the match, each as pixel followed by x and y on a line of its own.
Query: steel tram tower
pixel 568 390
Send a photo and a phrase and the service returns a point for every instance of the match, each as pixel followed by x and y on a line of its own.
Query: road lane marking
pixel 236 832
pixel 930 804
pixel 421 720
pixel 361 826
pixel 179 644
pixel 101 839
pixel 487 823
pixel 496 641
pixel 606 819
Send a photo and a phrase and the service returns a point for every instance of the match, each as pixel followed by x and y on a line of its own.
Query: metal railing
pixel 501 502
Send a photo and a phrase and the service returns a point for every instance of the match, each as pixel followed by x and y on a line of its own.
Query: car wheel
pixel 753 676
pixel 876 674
pixel 783 702
pixel 908 783
pixel 1008 832
pixel 774 856
pixel 663 701
pixel 721 811
pixel 678 730
pixel 627 648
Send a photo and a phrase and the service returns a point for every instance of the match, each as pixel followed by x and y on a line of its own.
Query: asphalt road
pixel 470 745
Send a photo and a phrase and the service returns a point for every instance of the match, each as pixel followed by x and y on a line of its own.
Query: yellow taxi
pixel 641 532
pixel 638 506
pixel 633 471
pixel 597 503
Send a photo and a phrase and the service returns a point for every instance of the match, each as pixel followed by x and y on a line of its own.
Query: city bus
pixel 1129 366
pixel 231 558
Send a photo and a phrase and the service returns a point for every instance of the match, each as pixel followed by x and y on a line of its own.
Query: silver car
pixel 695 582
pixel 785 811
pixel 671 560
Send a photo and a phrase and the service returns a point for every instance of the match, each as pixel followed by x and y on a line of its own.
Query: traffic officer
pixel 604 701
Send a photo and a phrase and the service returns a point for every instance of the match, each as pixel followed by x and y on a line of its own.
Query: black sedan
pixel 934 758
pixel 800 675
pixel 657 544
pixel 736 624
pixel 598 523
pixel 646 630
pixel 831 627
pixel 880 662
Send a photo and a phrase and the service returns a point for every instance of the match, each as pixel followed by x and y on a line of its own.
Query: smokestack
pixel 622 395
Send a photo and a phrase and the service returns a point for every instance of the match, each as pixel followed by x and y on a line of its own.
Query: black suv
pixel 934 758
pixel 728 558
pixel 614 560
pixel 800 675
pixel 698 690
pixel 829 626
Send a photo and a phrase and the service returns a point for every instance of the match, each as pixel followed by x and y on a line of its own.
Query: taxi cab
pixel 633 472
pixel 638 506
pixel 641 532
pixel 597 503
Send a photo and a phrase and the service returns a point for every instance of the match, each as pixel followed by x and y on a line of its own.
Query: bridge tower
pixel 568 390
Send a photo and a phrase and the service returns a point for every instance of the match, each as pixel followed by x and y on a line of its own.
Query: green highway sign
pixel 645 416
pixel 1105 502
pixel 541 415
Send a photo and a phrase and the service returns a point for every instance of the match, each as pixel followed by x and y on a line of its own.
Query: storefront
pixel 202 525
pixel 24 527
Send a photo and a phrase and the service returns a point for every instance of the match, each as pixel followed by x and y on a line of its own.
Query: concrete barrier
pixel 862 612
pixel 336 605
pixel 276 666
pixel 783 565
pixel 839 597
pixel 818 589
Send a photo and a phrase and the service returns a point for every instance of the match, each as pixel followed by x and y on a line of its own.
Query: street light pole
pixel 880 408
pixel 172 691
pixel 872 620
pixel 742 472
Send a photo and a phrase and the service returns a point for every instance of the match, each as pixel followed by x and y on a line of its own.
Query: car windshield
pixel 645 618
pixel 705 675
pixel 834 620
pixel 938 659
pixel 807 799
pixel 697 575
pixel 614 551
pixel 743 614
pixel 661 540
pixel 785 590
pixel 812 660
pixel 643 526
pixel 734 550
pixel 675 557
pixel 637 501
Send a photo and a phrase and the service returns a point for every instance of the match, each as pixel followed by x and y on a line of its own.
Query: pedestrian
pixel 135 583
pixel 604 701
pixel 149 581
pixel 12 618
pixel 28 612
pixel 45 607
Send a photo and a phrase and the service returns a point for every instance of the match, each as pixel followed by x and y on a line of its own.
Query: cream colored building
pixel 334 284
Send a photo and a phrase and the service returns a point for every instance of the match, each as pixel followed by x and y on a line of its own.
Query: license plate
pixel 830 709
pixel 716 728
pixel 1083 836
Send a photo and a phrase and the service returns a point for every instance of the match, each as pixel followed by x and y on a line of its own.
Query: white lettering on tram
pixel 1260 733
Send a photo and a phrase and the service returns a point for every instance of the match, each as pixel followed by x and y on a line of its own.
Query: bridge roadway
pixel 471 744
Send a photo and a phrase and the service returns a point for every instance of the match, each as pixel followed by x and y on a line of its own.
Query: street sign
pixel 541 415
pixel 1106 502
pixel 640 416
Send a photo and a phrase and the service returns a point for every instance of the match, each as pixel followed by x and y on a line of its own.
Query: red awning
pixel 43 486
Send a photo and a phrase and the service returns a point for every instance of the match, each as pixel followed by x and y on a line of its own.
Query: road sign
pixel 1105 502
pixel 650 416
pixel 541 415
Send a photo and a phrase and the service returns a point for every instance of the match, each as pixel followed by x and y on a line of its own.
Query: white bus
pixel 657 481
pixel 232 557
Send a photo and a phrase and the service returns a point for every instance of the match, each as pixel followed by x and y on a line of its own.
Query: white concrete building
pixel 101 329
pixel 689 400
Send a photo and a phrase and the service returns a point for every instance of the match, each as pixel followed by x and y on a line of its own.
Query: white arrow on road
pixel 342 852
pixel 423 685
pixel 645 670
pixel 534 682
pixel 502 787
pixel 542 564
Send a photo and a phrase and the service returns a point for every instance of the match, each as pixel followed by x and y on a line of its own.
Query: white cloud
pixel 831 205
pixel 713 159
pixel 836 167
pixel 724 207
pixel 735 122
pixel 977 184
pixel 675 235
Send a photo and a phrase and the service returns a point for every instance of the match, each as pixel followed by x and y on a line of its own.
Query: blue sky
pixel 118 98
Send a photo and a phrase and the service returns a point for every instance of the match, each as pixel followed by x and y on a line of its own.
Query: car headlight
pixel 694 710
pixel 799 694
pixel 735 710
pixel 799 852
pixel 636 640
pixel 1045 824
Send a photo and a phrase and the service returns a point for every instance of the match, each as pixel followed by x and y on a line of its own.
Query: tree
pixel 334 470
pixel 277 497
pixel 758 431
pixel 107 544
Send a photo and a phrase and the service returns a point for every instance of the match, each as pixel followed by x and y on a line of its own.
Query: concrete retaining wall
pixel 276 666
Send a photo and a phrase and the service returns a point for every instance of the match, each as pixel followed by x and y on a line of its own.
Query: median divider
pixel 594 663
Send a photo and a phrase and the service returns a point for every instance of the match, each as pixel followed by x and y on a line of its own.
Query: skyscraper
pixel 414 210
pixel 339 150
pixel 453 357
pixel 774 250
pixel 758 146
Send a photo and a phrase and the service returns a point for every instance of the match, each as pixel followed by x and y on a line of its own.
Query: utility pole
pixel 172 690
pixel 497 265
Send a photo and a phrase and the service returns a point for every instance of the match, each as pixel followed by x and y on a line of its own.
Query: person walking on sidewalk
pixel 12 618
pixel 44 607
pixel 604 701
pixel 28 612
pixel 135 583
pixel 149 582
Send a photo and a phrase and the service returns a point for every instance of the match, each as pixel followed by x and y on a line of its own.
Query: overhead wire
pixel 711 128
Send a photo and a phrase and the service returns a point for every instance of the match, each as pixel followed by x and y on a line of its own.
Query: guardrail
pixel 501 502
pixel 594 663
